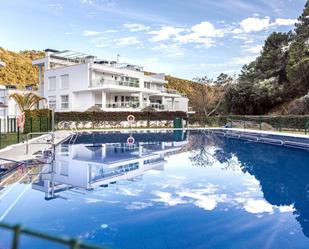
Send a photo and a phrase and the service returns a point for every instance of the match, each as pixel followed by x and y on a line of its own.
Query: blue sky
pixel 182 38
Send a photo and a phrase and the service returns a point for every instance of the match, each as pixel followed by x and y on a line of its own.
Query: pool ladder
pixel 74 135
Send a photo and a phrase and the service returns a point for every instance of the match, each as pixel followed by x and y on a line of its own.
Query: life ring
pixel 130 140
pixel 21 120
pixel 131 119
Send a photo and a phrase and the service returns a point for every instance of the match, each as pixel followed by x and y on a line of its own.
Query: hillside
pixel 19 70
pixel 203 98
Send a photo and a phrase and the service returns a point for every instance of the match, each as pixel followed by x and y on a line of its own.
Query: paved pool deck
pixel 17 152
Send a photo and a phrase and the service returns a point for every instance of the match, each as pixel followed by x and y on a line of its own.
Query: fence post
pixel 30 124
pixel 40 123
pixel 231 122
pixel 15 242
pixel 7 124
pixel 17 134
pixel 74 244
pixel 306 125
pixel 244 124
pixel 280 123
pixel 15 124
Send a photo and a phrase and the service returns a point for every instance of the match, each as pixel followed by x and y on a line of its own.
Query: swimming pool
pixel 171 189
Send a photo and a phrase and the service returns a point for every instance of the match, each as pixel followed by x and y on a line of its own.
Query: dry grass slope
pixel 19 70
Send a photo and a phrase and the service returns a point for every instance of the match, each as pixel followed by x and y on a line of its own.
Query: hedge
pixel 277 122
pixel 38 120
pixel 116 116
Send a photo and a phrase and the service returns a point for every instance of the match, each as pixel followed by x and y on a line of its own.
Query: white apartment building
pixel 9 109
pixel 74 81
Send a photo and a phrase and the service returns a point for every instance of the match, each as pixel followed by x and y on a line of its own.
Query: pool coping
pixel 128 130
pixel 198 128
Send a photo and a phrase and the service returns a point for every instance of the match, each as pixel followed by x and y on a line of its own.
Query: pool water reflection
pixel 169 190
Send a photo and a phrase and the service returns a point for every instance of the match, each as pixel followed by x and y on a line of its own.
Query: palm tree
pixel 26 101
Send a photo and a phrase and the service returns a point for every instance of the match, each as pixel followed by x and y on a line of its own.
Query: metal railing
pixel 37 133
pixel 157 106
pixel 125 104
pixel 102 82
pixel 288 123
pixel 19 230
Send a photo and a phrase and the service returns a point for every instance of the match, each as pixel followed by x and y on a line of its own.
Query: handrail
pixel 35 133
pixel 18 230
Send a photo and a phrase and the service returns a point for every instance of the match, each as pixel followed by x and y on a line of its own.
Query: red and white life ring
pixel 131 119
pixel 21 120
pixel 130 140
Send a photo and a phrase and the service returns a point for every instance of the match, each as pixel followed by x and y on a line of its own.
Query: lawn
pixel 9 138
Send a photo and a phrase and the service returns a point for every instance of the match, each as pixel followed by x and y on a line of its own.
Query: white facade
pixel 8 108
pixel 2 64
pixel 75 82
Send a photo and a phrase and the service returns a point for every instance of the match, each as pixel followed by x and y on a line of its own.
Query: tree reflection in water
pixel 283 172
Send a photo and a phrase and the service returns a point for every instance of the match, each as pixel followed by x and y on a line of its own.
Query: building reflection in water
pixel 90 166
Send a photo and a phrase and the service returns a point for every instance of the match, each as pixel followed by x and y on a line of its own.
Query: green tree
pixel 223 78
pixel 298 60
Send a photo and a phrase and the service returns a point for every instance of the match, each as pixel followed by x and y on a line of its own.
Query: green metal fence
pixel 295 124
pixel 11 134
pixel 18 230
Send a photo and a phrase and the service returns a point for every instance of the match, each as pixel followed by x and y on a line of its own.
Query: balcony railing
pixel 102 82
pixel 157 106
pixel 134 105
pixel 172 91
pixel 123 105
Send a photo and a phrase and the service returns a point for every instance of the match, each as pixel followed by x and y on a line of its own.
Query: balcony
pixel 105 82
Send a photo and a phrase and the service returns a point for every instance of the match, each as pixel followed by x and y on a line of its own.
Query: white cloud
pixel 207 29
pixel 165 33
pixel 170 50
pixel 286 209
pixel 258 206
pixel 254 24
pixel 90 33
pixel 201 33
pixel 137 205
pixel 285 22
pixel 135 27
pixel 127 41
pixel 168 199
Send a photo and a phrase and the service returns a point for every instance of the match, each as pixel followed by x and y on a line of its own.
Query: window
pixel 52 102
pixel 52 83
pixel 64 168
pixel 64 101
pixel 64 81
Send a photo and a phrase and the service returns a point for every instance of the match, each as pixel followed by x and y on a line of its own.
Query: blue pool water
pixel 169 190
